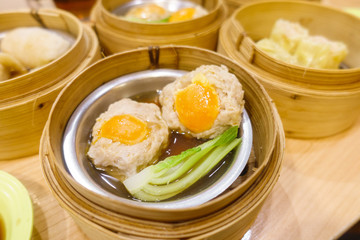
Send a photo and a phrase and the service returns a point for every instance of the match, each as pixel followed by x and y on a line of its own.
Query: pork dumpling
pixel 10 67
pixel 128 137
pixel 34 46
pixel 203 103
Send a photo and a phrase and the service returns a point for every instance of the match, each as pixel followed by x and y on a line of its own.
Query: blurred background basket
pixel 117 34
pixel 311 102
pixel 25 101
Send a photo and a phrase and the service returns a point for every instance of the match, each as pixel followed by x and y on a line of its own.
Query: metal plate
pixel 76 140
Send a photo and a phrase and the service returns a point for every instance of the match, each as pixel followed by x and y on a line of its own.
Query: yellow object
pixel 197 105
pixel 275 50
pixel 148 12
pixel 16 210
pixel 291 43
pixel 319 52
pixel 288 34
pixel 182 15
pixel 125 128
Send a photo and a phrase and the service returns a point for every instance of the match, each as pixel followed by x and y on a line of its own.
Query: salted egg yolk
pixel 182 15
pixel 197 105
pixel 125 129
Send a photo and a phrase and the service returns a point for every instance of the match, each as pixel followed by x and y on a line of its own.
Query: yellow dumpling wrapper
pixel 10 67
pixel 275 50
pixel 319 52
pixel 148 12
pixel 288 34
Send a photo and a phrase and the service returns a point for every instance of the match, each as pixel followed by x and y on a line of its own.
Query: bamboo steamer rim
pixel 233 212
pixel 39 78
pixel 187 52
pixel 117 22
pixel 251 51
pixel 326 91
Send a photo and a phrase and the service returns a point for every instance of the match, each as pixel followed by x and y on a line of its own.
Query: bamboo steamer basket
pixel 117 34
pixel 26 100
pixel 266 126
pixel 42 77
pixel 311 102
pixel 231 222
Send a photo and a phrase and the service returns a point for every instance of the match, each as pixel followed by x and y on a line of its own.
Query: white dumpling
pixel 34 46
pixel 10 67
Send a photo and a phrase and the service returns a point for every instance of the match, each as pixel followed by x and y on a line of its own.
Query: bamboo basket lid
pixel 117 34
pixel 25 116
pixel 266 125
pixel 41 78
pixel 230 222
pixel 323 102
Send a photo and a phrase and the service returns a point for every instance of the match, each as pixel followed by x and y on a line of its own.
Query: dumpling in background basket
pixel 319 52
pixel 154 13
pixel 128 137
pixel 276 51
pixel 10 67
pixel 291 43
pixel 148 12
pixel 204 102
pixel 34 46
pixel 288 34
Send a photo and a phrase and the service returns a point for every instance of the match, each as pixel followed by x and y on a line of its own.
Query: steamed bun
pixel 10 67
pixel 34 46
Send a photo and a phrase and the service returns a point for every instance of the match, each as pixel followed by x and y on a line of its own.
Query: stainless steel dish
pixel 77 132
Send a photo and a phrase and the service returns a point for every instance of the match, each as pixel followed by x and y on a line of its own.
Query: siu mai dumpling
pixel 34 46
pixel 127 137
pixel 10 67
pixel 204 102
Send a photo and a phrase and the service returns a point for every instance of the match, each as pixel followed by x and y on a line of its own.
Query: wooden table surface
pixel 316 197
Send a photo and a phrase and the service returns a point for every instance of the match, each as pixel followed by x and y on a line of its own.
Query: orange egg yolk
pixel 125 129
pixel 197 105
pixel 182 15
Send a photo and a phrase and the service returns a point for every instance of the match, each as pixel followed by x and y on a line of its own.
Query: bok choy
pixel 176 173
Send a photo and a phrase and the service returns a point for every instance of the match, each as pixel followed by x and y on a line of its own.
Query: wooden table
pixel 316 197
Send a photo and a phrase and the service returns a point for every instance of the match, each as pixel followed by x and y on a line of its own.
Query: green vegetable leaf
pixel 176 173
